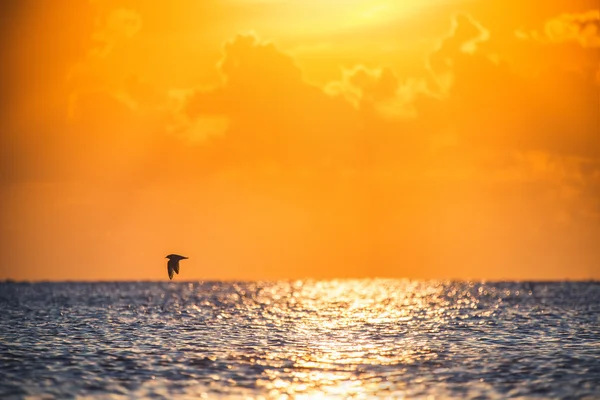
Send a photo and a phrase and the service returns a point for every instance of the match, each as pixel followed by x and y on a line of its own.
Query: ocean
pixel 362 339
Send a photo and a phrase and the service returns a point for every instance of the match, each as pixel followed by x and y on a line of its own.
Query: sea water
pixel 300 339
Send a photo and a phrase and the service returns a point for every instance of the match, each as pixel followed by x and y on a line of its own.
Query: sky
pixel 272 139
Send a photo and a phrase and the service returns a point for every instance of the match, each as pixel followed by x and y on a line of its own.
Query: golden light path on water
pixel 344 325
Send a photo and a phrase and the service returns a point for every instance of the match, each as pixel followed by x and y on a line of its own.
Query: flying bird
pixel 173 264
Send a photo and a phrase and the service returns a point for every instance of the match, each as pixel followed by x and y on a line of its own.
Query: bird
pixel 173 264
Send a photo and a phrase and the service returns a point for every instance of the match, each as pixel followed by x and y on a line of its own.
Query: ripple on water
pixel 385 338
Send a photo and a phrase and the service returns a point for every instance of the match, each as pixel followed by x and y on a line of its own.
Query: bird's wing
pixel 173 266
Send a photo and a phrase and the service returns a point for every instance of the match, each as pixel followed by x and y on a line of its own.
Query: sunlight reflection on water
pixel 300 339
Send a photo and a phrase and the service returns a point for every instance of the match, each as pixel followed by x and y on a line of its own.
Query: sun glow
pixel 328 17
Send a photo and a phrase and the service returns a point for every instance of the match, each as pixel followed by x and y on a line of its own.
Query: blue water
pixel 300 339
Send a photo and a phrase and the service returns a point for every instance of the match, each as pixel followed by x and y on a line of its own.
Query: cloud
pixel 490 105
pixel 582 28
pixel 274 113
pixel 120 24
pixel 264 110
pixel 463 39
pixel 393 97
pixel 474 104
pixel 379 89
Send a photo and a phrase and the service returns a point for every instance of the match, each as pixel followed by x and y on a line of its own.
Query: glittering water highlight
pixel 300 339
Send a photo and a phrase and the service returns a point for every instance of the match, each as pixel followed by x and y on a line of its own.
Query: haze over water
pixel 300 339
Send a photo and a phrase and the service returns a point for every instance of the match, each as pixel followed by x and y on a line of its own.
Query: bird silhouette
pixel 173 264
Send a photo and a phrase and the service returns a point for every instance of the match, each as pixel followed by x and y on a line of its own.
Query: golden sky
pixel 273 139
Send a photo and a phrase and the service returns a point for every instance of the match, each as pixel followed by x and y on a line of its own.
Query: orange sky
pixel 270 139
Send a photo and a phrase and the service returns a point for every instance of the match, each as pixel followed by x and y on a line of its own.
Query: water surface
pixel 300 339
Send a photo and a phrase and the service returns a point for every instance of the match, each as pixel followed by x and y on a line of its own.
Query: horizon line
pixel 464 280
